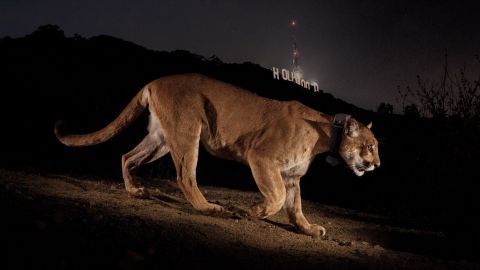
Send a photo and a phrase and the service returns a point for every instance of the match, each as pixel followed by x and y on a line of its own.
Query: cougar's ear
pixel 351 128
pixel 369 126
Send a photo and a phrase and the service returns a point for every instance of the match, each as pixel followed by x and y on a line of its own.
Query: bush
pixel 456 96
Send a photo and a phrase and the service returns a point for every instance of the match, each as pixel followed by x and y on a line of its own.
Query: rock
pixel 344 243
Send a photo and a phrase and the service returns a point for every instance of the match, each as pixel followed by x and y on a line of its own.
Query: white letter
pixel 292 76
pixel 285 74
pixel 296 77
pixel 276 73
pixel 315 87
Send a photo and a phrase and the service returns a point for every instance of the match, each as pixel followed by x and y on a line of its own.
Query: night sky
pixel 359 51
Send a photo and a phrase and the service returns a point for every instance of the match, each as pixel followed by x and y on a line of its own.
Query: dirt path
pixel 60 222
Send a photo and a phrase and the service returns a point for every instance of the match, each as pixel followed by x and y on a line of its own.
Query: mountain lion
pixel 276 139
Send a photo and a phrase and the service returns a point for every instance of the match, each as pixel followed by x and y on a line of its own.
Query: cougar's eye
pixel 371 147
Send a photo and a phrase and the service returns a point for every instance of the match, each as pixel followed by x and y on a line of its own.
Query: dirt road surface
pixel 62 222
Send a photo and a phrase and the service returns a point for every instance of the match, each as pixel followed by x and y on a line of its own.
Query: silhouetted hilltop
pixel 49 53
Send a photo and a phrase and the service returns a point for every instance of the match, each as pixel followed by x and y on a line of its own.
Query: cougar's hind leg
pixel 184 151
pixel 151 148
pixel 293 207
pixel 270 183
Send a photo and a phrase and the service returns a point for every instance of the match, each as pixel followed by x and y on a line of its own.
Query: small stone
pixel 344 243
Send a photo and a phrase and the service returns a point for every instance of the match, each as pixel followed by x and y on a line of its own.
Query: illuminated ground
pixel 60 222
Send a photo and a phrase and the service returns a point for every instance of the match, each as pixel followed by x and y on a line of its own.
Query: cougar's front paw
pixel 314 230
pixel 138 192
pixel 258 211
pixel 211 208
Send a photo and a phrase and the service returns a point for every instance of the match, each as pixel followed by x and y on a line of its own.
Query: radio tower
pixel 295 53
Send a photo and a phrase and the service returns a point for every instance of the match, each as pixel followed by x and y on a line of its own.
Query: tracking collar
pixel 338 125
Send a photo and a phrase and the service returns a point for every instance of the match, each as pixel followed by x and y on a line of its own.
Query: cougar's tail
pixel 126 117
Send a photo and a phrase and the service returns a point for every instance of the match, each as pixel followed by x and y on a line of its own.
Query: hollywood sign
pixel 295 77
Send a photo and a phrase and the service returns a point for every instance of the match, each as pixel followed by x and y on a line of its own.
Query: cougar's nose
pixel 377 164
pixel 367 164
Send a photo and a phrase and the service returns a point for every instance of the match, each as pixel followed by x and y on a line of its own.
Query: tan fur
pixel 278 140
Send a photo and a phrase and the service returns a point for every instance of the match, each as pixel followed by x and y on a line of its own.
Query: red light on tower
pixel 295 52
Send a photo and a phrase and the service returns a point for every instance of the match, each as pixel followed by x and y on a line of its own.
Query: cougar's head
pixel 359 148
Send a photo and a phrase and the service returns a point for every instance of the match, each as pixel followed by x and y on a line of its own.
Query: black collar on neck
pixel 338 125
